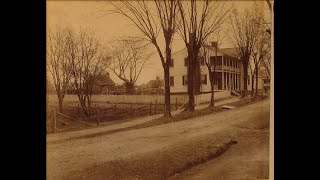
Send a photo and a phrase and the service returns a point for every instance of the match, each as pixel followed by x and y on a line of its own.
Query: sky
pixel 108 27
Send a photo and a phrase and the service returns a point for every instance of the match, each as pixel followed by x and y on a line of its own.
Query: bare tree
pixel 57 63
pixel 211 63
pixel 150 19
pixel 266 61
pixel 88 62
pixel 252 72
pixel 244 32
pixel 198 20
pixel 261 53
pixel 128 59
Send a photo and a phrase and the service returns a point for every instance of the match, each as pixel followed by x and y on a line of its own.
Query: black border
pixel 25 131
pixel 295 78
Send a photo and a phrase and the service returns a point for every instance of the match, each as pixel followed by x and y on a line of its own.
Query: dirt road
pixel 248 160
pixel 68 156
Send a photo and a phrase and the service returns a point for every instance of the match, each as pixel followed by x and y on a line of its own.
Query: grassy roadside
pixel 163 163
pixel 201 112
pixel 175 118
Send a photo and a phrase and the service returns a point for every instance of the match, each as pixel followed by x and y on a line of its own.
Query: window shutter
pixel 182 80
pixel 171 81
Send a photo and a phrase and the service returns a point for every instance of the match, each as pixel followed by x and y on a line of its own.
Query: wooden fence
pixel 98 112
pixel 142 99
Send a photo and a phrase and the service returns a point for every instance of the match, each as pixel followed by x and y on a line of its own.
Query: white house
pixel 229 73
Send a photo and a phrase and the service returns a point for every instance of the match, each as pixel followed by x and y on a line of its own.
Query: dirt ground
pixel 247 160
pixel 163 150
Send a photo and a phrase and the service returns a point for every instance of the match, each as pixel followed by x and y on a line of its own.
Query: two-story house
pixel 227 72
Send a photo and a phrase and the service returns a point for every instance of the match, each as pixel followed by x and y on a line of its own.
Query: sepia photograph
pixel 159 89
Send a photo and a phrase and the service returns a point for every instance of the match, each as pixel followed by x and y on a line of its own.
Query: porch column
pixel 229 81
pixel 238 81
pixel 234 82
pixel 222 73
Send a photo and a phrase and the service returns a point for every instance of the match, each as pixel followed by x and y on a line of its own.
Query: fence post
pixel 150 108
pixel 115 107
pixel 78 108
pixel 98 115
pixel 155 107
pixel 176 103
pixel 54 120
pixel 134 112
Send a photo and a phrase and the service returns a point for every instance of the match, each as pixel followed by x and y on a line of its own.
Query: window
pixel 201 60
pixel 171 63
pixel 213 61
pixel 248 80
pixel 184 80
pixel 171 81
pixel 203 79
pixel 186 61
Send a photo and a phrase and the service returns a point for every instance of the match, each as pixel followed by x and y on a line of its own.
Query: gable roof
pixel 155 83
pixel 105 80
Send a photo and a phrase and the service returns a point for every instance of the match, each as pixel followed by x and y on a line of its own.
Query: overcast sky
pixel 92 14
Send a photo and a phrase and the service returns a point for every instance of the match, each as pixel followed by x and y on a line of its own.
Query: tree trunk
pixel 166 67
pixel 191 101
pixel 130 87
pixel 245 78
pixel 256 81
pixel 252 85
pixel 60 100
pixel 211 77
pixel 192 59
pixel 83 99
pixel 84 109
pixel 167 104
pixel 89 105
pixel 212 95
pixel 197 76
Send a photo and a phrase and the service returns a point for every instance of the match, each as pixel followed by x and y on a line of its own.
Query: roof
pixel 105 80
pixel 233 52
pixel 155 83
pixel 263 73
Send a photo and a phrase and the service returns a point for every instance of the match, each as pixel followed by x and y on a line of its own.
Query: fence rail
pixel 142 99
pixel 151 104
